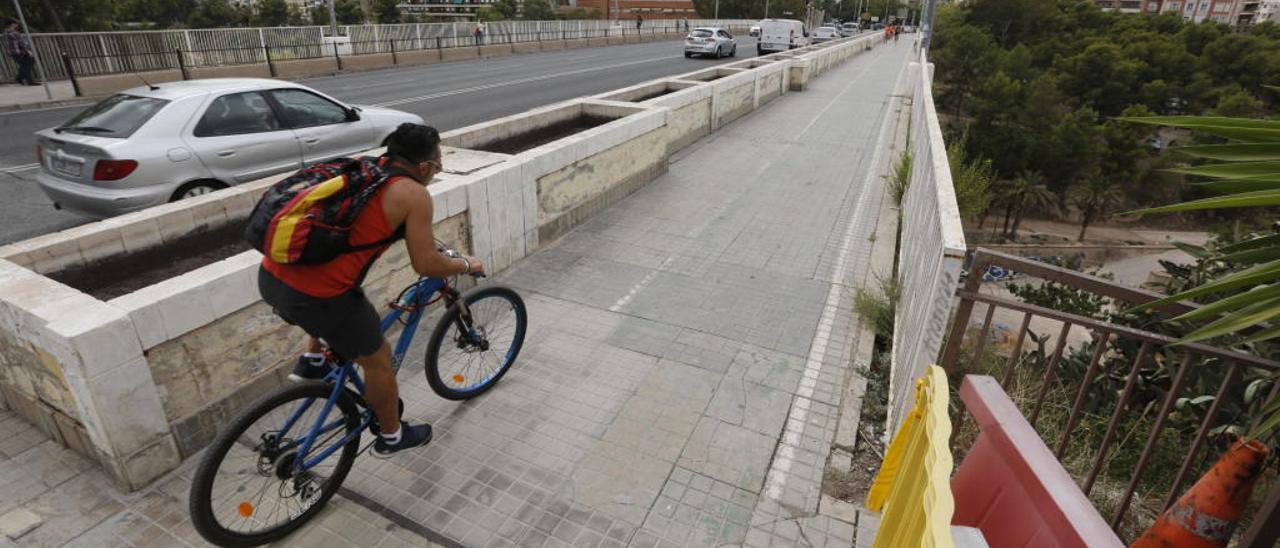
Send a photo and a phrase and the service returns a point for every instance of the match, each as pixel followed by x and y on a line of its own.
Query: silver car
pixel 825 34
pixel 710 41
pixel 155 144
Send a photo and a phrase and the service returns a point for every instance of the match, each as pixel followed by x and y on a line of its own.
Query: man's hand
pixel 477 267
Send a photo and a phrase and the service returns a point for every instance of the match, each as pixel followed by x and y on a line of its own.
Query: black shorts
pixel 348 323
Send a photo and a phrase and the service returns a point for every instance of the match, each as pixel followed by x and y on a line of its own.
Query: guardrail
pixel 96 53
pixel 1082 394
pixel 932 249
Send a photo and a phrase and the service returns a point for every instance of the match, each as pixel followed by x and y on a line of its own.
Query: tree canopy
pixel 1038 85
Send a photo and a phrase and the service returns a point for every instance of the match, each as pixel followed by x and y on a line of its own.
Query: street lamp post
pixel 35 54
pixel 333 20
pixel 927 27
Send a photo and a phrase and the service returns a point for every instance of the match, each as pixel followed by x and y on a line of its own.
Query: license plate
pixel 66 167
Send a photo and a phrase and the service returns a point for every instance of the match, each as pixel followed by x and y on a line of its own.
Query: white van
pixel 781 35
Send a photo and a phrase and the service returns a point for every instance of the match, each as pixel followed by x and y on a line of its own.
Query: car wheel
pixel 687 55
pixel 734 52
pixel 759 51
pixel 196 188
pixel 719 53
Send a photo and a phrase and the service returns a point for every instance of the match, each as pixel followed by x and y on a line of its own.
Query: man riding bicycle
pixel 326 300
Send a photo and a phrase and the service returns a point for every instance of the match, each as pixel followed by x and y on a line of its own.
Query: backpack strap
pixel 393 170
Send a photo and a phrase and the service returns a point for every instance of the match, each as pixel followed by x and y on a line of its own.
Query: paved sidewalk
pixel 688 353
pixel 15 97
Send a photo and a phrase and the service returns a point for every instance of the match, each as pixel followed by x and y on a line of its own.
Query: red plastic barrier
pixel 1012 487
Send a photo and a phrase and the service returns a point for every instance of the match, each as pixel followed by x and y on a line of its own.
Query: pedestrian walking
pixel 639 21
pixel 479 33
pixel 19 49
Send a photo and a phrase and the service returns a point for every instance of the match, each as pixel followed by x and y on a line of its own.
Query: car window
pixel 700 33
pixel 302 108
pixel 237 114
pixel 724 34
pixel 116 116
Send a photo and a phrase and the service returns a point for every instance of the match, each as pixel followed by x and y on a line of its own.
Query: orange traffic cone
pixel 1207 514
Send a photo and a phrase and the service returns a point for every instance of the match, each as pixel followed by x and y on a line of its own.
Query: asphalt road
pixel 447 95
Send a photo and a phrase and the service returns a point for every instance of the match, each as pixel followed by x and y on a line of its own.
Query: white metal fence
pixel 92 53
pixel 931 253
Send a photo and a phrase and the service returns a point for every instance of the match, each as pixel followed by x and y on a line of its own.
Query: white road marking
pixel 518 81
pixel 792 431
pixel 44 109
pixel 617 306
pixel 16 169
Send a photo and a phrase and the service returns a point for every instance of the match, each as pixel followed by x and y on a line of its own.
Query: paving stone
pixel 18 522
pixel 728 453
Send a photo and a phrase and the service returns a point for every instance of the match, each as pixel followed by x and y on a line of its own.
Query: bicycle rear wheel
pixel 247 490
pixel 464 359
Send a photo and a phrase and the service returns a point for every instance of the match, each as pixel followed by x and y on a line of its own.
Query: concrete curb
pixel 78 101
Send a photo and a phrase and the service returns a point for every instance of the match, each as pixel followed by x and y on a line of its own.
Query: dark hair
pixel 414 143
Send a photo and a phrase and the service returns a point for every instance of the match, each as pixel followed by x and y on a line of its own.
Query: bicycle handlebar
pixel 453 253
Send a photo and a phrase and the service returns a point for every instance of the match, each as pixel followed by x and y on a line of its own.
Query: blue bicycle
pixel 281 459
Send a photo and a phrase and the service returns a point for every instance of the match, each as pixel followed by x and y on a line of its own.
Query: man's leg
pixel 380 388
pixel 17 62
pixel 26 72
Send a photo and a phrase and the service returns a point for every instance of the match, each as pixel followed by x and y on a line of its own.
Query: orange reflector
pixel 458 379
pixel 246 509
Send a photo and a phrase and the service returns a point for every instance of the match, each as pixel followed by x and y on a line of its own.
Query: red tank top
pixel 347 270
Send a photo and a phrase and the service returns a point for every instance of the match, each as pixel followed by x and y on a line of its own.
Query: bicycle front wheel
pixel 249 488
pixel 467 356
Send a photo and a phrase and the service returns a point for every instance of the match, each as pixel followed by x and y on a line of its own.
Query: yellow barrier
pixel 913 487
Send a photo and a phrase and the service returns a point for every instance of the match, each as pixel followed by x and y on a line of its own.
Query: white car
pixel 755 30
pixel 155 144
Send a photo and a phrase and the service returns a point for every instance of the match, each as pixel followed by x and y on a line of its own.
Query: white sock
pixel 314 358
pixel 393 438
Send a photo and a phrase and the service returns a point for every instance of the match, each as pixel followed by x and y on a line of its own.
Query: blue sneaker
pixel 410 436
pixel 309 369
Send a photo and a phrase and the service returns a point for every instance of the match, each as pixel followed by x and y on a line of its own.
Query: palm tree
pixel 1027 190
pixel 1096 198
pixel 1247 175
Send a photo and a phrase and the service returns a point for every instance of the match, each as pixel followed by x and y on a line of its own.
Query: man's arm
pixel 420 236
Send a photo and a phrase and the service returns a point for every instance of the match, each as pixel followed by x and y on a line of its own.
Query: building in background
pixel 629 9
pixel 454 9
pixel 1226 12
pixel 1130 6
pixel 1268 10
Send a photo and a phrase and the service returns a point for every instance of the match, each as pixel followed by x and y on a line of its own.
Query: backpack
pixel 307 217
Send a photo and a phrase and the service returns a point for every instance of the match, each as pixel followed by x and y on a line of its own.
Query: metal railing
pixel 136 51
pixel 1121 358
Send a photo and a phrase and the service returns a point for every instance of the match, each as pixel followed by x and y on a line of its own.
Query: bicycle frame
pixel 413 301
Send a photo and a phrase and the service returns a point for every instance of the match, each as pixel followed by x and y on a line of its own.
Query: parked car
pixel 781 35
pixel 755 30
pixel 710 41
pixel 908 29
pixel 849 29
pixel 155 144
pixel 825 34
